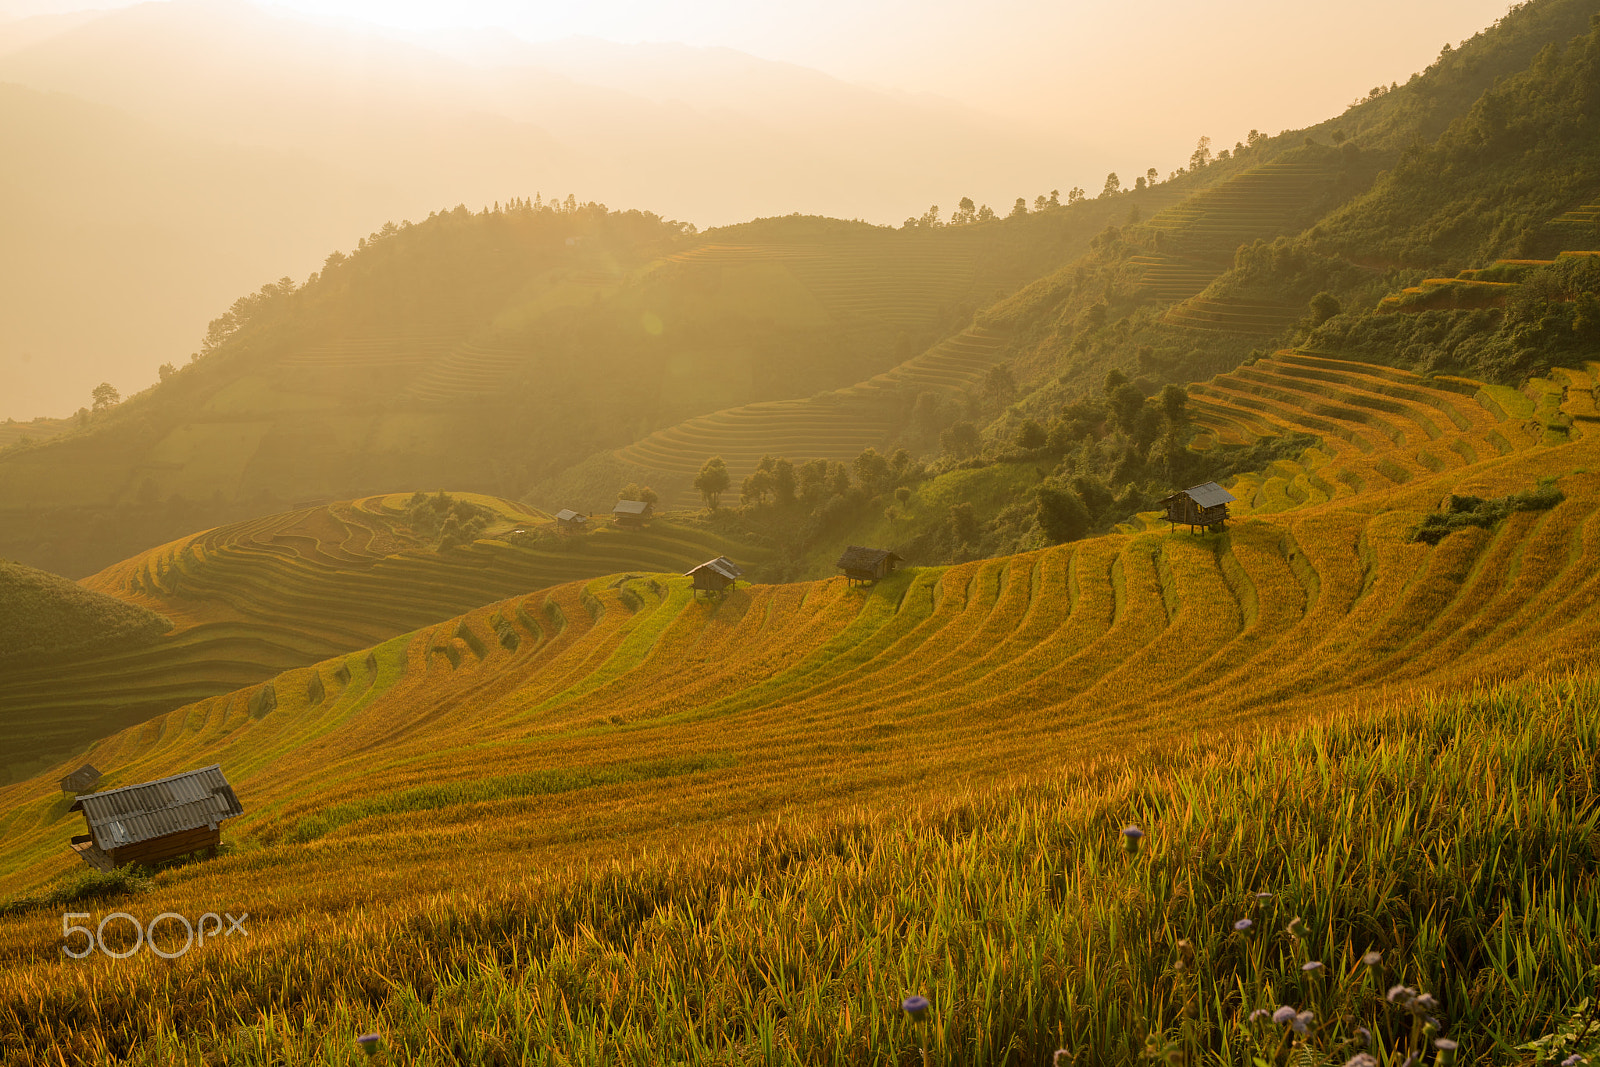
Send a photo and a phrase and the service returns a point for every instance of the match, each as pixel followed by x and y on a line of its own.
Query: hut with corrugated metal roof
pixel 867 564
pixel 1201 506
pixel 155 821
pixel 715 576
pixel 570 521
pixel 632 512
pixel 81 779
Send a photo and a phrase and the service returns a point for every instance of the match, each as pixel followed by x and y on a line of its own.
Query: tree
pixel 635 491
pixel 960 440
pixel 985 213
pixel 1060 514
pixel 1032 434
pixel 964 524
pixel 871 469
pixel 712 481
pixel 1075 194
pixel 1055 198
pixel 1113 185
pixel 166 370
pixel 1324 306
pixel 1151 176
pixel 105 395
pixel 1174 403
pixel 783 481
pixel 966 211
pixel 999 385
pixel 1254 137
pixel 1018 209
pixel 1139 184
pixel 1201 154
pixel 1040 203
pixel 756 487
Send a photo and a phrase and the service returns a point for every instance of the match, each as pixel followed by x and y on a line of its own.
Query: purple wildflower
pixel 1284 1014
pixel 1402 995
pixel 915 1006
pixel 1259 1014
pixel 1574 1060
pixel 1363 1036
pixel 1242 925
pixel 1132 835
pixel 1263 896
pixel 1372 959
pixel 1361 1059
pixel 368 1043
pixel 1311 965
pixel 1302 1022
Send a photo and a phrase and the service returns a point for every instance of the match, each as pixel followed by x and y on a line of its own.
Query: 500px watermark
pixel 195 934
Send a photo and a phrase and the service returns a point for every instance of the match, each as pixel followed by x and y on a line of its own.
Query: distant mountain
pixel 707 135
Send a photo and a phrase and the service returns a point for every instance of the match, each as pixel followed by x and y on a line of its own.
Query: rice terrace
pixel 1151 623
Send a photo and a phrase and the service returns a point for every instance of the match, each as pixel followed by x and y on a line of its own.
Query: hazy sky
pixel 1146 76
pixel 1141 75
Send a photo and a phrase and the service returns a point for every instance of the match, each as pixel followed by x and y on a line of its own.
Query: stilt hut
pixel 714 576
pixel 80 780
pixel 155 821
pixel 867 564
pixel 632 512
pixel 569 521
pixel 1202 506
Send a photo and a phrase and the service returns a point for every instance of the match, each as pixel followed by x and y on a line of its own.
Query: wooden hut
pixel 80 780
pixel 867 564
pixel 1204 505
pixel 632 512
pixel 714 576
pixel 155 821
pixel 569 521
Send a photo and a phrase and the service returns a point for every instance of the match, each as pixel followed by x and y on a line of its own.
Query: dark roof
pixel 1208 495
pixel 630 507
pixel 81 778
pixel 857 558
pixel 141 812
pixel 568 515
pixel 721 565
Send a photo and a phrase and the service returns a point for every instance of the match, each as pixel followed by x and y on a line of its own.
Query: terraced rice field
pixel 476 368
pixel 255 598
pixel 35 430
pixel 374 351
pixel 1447 293
pixel 1586 216
pixel 1316 597
pixel 1171 278
pixel 1232 316
pixel 1381 428
pixel 1261 202
pixel 835 426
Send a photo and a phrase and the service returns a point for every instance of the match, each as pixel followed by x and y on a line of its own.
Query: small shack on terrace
pixel 155 821
pixel 867 564
pixel 632 512
pixel 1204 505
pixel 714 576
pixel 569 521
pixel 80 780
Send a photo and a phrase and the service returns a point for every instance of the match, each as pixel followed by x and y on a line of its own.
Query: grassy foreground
pixel 1459 837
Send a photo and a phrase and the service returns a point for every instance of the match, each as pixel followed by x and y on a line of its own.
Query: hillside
pixel 489 351
pixel 585 722
pixel 249 600
pixel 1307 599
pixel 44 617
